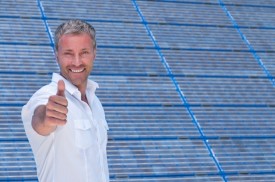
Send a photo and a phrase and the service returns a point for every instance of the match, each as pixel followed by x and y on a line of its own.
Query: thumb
pixel 60 88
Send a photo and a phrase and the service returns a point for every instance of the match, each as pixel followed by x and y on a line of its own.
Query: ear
pixel 94 53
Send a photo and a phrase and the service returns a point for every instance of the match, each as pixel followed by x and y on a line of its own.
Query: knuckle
pixel 66 110
pixel 60 122
pixel 48 112
pixel 64 116
pixel 51 98
pixel 64 122
pixel 64 101
pixel 48 107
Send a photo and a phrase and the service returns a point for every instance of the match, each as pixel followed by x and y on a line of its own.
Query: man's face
pixel 75 57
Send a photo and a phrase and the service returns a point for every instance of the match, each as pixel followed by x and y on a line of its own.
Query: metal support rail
pixel 252 50
pixel 166 65
pixel 44 18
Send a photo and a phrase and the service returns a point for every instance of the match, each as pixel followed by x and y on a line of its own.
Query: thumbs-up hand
pixel 60 88
pixel 56 108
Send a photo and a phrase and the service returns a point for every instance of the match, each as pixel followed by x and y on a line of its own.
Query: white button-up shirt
pixel 76 151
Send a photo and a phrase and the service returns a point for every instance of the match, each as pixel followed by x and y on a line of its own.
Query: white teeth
pixel 77 71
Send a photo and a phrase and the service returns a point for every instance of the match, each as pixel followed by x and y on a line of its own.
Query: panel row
pixel 109 10
pixel 161 157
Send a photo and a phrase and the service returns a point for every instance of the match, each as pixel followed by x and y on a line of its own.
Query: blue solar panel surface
pixel 187 86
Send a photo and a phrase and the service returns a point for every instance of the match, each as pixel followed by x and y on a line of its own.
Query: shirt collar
pixel 91 85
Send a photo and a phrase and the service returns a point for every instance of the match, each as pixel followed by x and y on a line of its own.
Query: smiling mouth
pixel 77 70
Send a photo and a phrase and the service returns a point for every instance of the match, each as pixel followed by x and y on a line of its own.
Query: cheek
pixel 62 64
pixel 89 65
pixel 89 61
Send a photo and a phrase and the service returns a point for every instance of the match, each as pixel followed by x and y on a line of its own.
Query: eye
pixel 67 53
pixel 84 53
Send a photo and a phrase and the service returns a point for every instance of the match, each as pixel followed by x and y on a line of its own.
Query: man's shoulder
pixel 44 92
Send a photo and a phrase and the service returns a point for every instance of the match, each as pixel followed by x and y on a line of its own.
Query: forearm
pixel 39 121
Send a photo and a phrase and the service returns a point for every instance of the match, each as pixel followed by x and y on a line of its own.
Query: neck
pixel 84 98
pixel 82 90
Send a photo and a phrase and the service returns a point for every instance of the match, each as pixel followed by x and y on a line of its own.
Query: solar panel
pixel 187 86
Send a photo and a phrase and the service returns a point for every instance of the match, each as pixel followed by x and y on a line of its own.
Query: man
pixel 64 120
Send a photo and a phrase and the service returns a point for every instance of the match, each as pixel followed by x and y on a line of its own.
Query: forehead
pixel 72 40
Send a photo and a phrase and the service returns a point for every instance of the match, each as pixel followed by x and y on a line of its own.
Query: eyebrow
pixel 85 49
pixel 68 50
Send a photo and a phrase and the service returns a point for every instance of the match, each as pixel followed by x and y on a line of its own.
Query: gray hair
pixel 74 27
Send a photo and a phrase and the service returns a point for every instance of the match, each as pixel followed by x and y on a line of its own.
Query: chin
pixel 77 82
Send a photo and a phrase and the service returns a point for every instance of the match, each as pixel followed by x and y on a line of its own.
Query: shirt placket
pixel 98 139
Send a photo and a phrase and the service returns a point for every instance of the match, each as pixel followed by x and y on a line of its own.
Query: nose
pixel 77 61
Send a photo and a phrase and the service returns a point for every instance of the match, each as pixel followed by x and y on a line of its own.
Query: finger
pixel 60 88
pixel 56 115
pixel 55 122
pixel 56 107
pixel 58 100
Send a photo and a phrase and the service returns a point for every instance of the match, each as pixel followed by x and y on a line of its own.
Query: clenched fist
pixel 47 117
pixel 56 108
